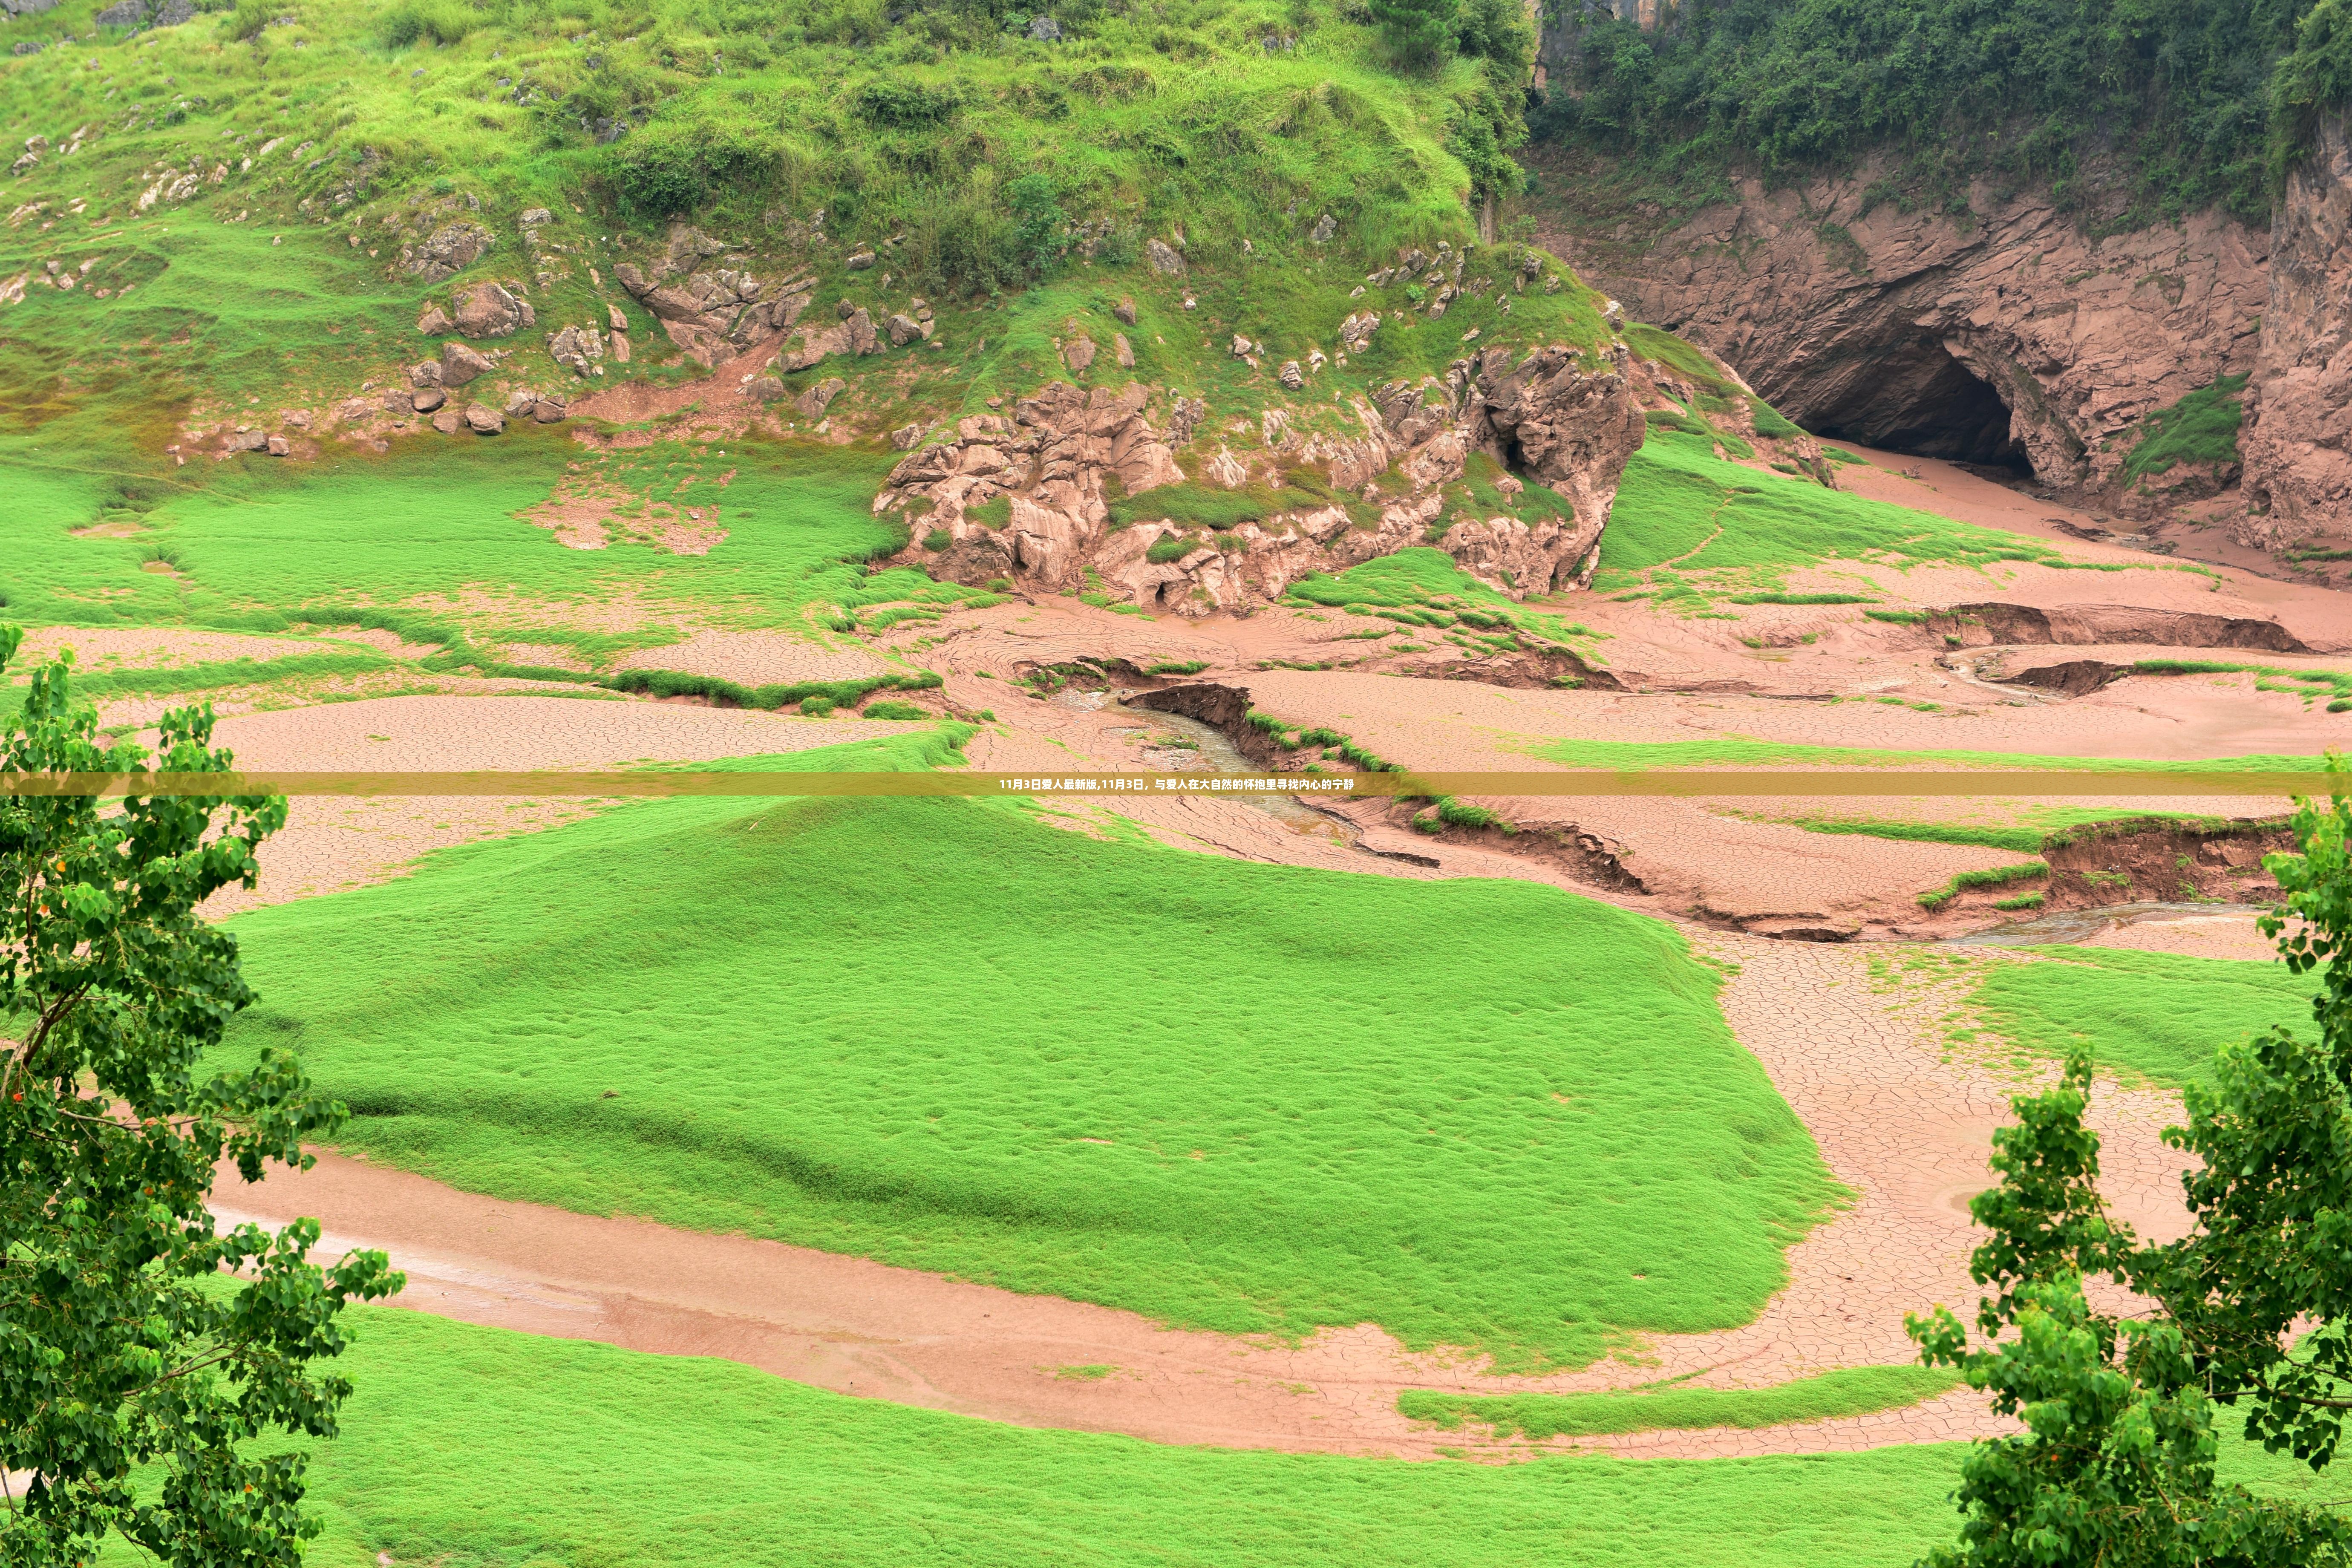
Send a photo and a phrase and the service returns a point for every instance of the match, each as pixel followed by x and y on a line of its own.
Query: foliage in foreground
pixel 112 1357
pixel 2117 1463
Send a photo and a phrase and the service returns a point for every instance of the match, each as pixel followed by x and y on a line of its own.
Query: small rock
pixel 1163 259
pixel 903 330
pixel 432 324
pixel 427 373
pixel 1290 375
pixel 859 259
pixel 618 320
pixel 813 401
pixel 1242 346
pixel 1125 312
pixel 1044 30
pixel 448 421
pixel 485 420
pixel 842 308
pixel 1123 350
pixel 536 216
pixel 1325 227
pixel 550 411
pixel 766 388
pixel 460 364
pixel 279 447
pixel 426 399
pixel 400 405
pixel 1315 360
pixel 519 401
pixel 487 311
pixel 905 437
pixel 862 339
pixel 1470 336
pixel 1079 354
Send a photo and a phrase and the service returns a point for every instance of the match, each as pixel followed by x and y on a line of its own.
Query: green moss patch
pixel 1855 1391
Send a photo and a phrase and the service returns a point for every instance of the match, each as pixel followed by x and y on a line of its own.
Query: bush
pixel 938 539
pixel 905 105
pixel 894 710
pixel 1175 547
pixel 418 21
pixel 250 18
pixel 815 707
pixel 680 162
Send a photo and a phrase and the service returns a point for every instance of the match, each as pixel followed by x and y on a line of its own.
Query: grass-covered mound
pixel 443 552
pixel 243 185
pixel 1241 1097
pixel 473 1446
pixel 1689 527
pixel 1850 1391
pixel 2155 1014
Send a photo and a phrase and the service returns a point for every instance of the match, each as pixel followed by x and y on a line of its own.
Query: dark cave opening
pixel 1922 401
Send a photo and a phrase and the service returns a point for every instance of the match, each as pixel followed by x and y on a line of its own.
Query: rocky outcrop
pixel 488 310
pixel 2003 334
pixel 716 313
pixel 1027 497
pixel 2298 471
pixel 445 251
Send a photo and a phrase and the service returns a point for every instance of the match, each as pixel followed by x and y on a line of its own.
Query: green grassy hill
pixel 1248 1098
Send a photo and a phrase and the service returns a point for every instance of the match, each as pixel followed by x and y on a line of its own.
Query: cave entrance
pixel 1920 400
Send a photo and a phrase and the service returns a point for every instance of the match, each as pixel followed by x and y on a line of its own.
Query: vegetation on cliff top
pixel 2178 97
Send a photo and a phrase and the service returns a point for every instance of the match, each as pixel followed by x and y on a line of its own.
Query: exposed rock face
pixel 2008 335
pixel 445 251
pixel 2298 473
pixel 1569 424
pixel 711 314
pixel 460 364
pixel 487 311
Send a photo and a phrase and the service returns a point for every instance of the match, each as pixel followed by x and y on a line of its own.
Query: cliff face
pixel 2001 335
pixel 2299 408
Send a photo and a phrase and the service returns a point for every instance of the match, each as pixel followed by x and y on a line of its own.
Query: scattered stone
pixel 1242 346
pixel 536 216
pixel 551 410
pixel 1125 312
pixel 903 330
pixel 1163 259
pixel 487 311
pixel 859 259
pixel 1315 360
pixel 1044 30
pixel 432 324
pixel 279 447
pixel 814 402
pixel 1123 350
pixel 484 419
pixel 615 318
pixel 577 349
pixel 445 251
pixel 1185 418
pixel 398 403
pixel 1290 375
pixel 905 437
pixel 1325 227
pixel 1079 354
pixel 861 337
pixel 428 399
pixel 460 364
pixel 448 421
pixel 766 388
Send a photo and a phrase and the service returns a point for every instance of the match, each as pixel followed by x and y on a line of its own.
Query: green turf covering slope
pixel 483 1449
pixel 1239 1097
pixel 2160 1014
